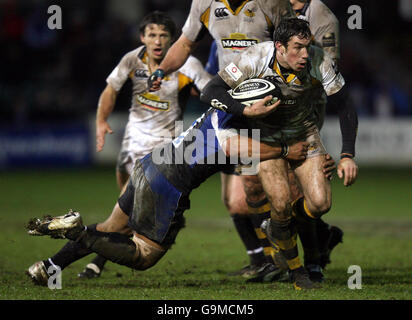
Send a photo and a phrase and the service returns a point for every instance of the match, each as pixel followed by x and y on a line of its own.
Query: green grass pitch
pixel 375 214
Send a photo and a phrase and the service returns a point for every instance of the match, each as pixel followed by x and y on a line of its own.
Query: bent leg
pixel 315 187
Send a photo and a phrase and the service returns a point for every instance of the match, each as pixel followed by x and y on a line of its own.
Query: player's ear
pixel 142 38
pixel 280 47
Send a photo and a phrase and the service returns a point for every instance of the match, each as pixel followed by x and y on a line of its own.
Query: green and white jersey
pixel 251 23
pixel 324 26
pixel 294 116
pixel 152 114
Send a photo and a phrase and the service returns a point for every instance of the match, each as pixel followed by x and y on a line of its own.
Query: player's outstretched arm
pixel 107 101
pixel 348 120
pixel 245 147
pixel 175 58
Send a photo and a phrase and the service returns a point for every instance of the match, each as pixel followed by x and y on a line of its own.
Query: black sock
pixel 248 236
pixel 113 246
pixel 306 227
pixel 322 231
pixel 71 252
pixel 260 211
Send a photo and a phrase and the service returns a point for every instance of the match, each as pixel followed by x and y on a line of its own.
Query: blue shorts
pixel 154 206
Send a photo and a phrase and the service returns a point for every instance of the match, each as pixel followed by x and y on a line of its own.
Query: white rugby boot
pixel 56 227
pixel 38 273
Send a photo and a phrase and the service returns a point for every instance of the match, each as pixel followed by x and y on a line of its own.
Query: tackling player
pixel 151 206
pixel 152 116
pixel 303 73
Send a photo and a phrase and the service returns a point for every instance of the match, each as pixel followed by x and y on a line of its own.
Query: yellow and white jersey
pixel 152 114
pixel 324 26
pixel 252 22
pixel 299 90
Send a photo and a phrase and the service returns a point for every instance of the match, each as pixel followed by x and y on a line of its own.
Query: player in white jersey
pixel 302 72
pixel 323 24
pixel 152 116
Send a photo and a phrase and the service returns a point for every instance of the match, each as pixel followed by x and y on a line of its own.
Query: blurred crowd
pixel 57 75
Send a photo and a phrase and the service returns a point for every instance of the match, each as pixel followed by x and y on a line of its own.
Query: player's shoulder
pixel 274 6
pixel 202 5
pixel 135 54
pixel 264 48
pixel 319 9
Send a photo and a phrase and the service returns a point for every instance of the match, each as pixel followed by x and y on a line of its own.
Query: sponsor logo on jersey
pixel 141 73
pixel 152 102
pixel 238 41
pixel 221 13
pixel 233 71
pixel 329 40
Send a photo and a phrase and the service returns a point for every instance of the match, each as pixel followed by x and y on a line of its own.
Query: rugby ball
pixel 252 90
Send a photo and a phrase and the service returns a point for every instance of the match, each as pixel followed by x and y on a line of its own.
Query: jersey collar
pixel 239 8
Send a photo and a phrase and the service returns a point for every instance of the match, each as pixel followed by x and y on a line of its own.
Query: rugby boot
pixel 247 271
pixel 38 273
pixel 301 281
pixel 315 272
pixel 56 227
pixel 269 272
pixel 91 271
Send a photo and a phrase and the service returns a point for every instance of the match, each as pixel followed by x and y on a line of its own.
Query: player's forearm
pixel 177 55
pixel 245 147
pixel 348 119
pixel 216 94
pixel 106 104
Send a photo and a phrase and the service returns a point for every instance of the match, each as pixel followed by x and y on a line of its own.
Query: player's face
pixel 296 54
pixel 157 40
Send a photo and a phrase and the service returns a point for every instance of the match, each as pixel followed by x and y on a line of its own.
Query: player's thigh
pixel 116 222
pixel 315 187
pixel 274 177
pixel 295 189
pixel 233 194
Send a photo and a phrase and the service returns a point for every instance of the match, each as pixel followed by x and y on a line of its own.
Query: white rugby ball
pixel 252 90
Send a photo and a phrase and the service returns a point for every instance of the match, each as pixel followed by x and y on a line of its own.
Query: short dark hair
pixel 288 28
pixel 158 17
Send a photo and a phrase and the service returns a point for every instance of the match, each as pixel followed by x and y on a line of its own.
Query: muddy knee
pixel 147 255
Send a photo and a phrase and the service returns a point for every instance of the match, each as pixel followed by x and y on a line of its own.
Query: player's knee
pixel 235 202
pixel 147 255
pixel 253 189
pixel 282 210
pixel 318 206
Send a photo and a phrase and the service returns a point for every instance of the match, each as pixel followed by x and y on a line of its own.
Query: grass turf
pixel 375 214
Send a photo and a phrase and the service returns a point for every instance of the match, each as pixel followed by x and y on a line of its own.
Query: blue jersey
pixel 212 65
pixel 196 154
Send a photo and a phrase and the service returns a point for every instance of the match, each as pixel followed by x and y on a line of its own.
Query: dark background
pixel 57 75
